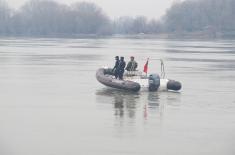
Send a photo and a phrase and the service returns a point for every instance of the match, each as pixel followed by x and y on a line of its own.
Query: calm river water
pixel 51 103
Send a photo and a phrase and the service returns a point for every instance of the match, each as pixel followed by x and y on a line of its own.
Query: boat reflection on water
pixel 125 103
pixel 128 104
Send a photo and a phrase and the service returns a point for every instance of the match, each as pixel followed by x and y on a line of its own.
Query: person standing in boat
pixel 132 64
pixel 121 68
pixel 115 68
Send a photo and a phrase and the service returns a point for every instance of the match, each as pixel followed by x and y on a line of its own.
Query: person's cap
pixel 132 57
pixel 122 57
pixel 116 57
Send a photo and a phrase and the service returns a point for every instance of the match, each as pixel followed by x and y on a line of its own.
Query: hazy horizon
pixel 114 9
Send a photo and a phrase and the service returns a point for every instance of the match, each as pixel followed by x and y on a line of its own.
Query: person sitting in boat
pixel 121 68
pixel 115 68
pixel 132 64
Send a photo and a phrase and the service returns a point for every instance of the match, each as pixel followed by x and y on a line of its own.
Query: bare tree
pixel 88 18
pixel 139 25
pixel 5 14
pixel 42 17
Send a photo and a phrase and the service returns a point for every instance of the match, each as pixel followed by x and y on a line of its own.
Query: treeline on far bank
pixel 49 18
pixel 213 17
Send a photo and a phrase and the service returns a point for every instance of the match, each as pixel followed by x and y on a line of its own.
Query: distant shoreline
pixel 178 35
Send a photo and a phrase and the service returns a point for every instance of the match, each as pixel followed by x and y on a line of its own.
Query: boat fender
pixel 154 82
pixel 173 85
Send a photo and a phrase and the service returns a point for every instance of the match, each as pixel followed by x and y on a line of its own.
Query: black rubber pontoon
pixel 173 85
pixel 105 76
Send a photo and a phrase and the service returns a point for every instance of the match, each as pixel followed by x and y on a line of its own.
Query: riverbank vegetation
pixel 44 18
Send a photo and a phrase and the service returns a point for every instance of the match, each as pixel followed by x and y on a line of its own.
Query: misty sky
pixel 116 8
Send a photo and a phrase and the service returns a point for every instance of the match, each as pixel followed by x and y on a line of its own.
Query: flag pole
pixel 147 67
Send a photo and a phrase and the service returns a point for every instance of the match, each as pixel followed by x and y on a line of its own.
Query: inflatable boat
pixel 135 81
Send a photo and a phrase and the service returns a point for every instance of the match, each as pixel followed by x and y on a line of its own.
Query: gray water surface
pixel 51 103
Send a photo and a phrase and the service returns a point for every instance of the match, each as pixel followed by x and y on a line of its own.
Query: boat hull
pixel 105 77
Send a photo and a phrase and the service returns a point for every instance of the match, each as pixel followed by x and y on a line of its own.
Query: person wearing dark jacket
pixel 121 68
pixel 115 68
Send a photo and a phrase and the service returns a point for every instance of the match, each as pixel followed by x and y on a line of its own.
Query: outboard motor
pixel 154 82
pixel 173 85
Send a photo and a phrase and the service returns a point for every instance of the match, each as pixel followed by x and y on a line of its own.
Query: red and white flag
pixel 146 66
